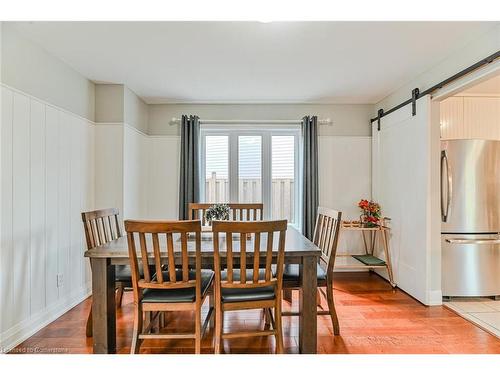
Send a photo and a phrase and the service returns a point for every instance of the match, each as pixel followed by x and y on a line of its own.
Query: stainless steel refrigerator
pixel 470 215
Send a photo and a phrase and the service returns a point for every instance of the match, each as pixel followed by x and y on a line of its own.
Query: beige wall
pixel 135 111
pixel 29 68
pixel 352 120
pixel 117 103
pixel 109 103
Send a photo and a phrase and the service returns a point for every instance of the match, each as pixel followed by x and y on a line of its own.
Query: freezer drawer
pixel 470 265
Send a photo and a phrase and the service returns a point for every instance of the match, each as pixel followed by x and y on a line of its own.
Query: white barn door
pixel 402 185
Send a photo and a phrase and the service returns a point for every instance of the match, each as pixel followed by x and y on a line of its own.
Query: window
pixel 252 166
pixel 217 169
pixel 249 168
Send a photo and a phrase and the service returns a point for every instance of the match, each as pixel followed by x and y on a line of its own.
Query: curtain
pixel 189 186
pixel 310 189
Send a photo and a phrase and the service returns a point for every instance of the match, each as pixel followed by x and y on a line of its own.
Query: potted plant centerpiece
pixel 370 216
pixel 218 211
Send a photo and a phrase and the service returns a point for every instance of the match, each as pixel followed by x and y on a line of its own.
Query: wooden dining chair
pixel 174 286
pixel 103 226
pixel 326 235
pixel 243 284
pixel 237 211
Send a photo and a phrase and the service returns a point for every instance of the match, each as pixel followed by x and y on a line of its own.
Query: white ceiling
pixel 340 62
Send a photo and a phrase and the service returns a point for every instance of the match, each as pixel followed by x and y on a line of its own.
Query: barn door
pixel 402 185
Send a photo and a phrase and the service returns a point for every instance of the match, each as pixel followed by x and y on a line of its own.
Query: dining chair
pixel 326 235
pixel 243 284
pixel 103 226
pixel 237 211
pixel 174 286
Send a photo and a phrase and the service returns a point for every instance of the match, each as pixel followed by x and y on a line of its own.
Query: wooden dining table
pixel 298 250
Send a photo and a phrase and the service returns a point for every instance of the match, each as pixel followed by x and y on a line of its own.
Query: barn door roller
pixel 414 96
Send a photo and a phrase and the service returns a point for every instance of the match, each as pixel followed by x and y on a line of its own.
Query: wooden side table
pixel 368 260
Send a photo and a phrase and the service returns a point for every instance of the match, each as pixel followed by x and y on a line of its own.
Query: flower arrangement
pixel 370 212
pixel 218 211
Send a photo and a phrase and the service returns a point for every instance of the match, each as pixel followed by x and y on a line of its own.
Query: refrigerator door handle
pixel 460 241
pixel 445 209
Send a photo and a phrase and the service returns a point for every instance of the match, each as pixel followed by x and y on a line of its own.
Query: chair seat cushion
pixel 246 294
pixel 291 273
pixel 178 295
pixel 123 273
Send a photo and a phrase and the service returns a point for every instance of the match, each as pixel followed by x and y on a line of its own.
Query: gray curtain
pixel 189 187
pixel 310 190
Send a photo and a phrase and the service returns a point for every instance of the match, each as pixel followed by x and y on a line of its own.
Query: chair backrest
pixel 101 226
pixel 249 259
pixel 157 235
pixel 237 211
pixel 326 234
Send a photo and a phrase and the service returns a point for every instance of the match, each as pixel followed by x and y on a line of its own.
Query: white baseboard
pixel 27 328
pixel 435 298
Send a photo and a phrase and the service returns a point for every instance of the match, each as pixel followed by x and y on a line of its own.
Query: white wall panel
pixel 109 166
pixel 47 176
pixel 452 118
pixel 63 216
pixel 37 200
pixel 135 173
pixel 463 117
pixel 6 251
pixel 74 278
pixel 51 203
pixel 163 192
pixel 482 117
pixel 88 195
pixel 21 207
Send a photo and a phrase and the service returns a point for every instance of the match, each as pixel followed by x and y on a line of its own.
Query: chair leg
pixel 318 299
pixel 119 295
pixel 211 305
pixel 197 331
pixel 331 308
pixel 278 327
pixel 88 331
pixel 218 328
pixel 136 342
pixel 267 318
pixel 162 319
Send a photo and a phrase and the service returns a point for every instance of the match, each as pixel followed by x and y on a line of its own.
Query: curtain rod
pixel 327 121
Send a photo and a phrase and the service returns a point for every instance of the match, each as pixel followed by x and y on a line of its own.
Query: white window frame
pixel 266 132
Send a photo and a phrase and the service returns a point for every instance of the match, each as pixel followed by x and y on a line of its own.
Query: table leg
pixel 103 306
pixel 307 305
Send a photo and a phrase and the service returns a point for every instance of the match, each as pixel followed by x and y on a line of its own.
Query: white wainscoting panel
pixel 452 118
pixel 109 166
pixel 135 173
pixel 344 179
pixel 482 117
pixel 470 117
pixel 47 169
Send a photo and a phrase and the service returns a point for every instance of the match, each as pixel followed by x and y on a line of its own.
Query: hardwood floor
pixel 373 319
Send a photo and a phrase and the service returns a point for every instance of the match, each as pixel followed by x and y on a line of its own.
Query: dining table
pixel 298 250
